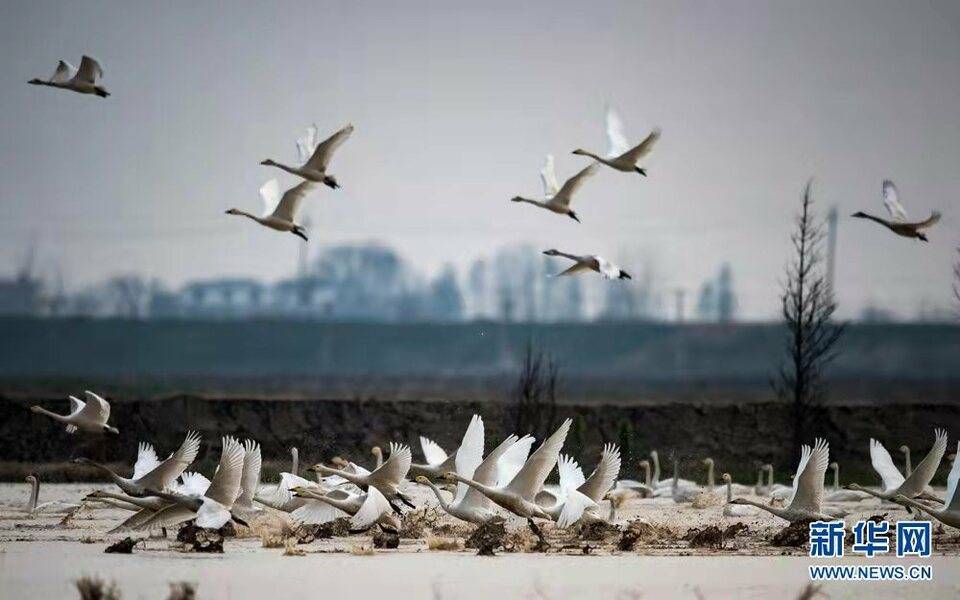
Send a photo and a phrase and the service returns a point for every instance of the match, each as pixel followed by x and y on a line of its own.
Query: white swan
pixel 776 491
pixel 683 493
pixel 249 478
pixel 519 494
pixel 364 509
pixel 735 510
pixel 558 200
pixel 280 213
pixel 950 514
pixel 438 461
pixel 212 508
pixel 897 223
pixel 316 157
pixel 585 263
pixel 806 502
pixel 386 478
pixel 53 507
pixel 711 481
pixel 579 498
pixel 82 81
pixel 90 416
pixel 619 155
pixel 839 495
pixel 151 474
pixel 665 483
pixel 498 468
pixel 624 487
pixel 894 483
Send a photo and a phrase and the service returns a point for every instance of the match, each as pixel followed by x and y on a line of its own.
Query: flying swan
pixel 619 154
pixel 897 222
pixel 280 212
pixel 82 81
pixel 557 199
pixel 590 262
pixel 90 416
pixel 315 156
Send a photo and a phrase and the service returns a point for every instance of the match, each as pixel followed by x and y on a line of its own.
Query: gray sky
pixel 456 104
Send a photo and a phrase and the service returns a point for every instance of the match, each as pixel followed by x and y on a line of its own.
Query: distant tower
pixel 303 254
pixel 679 297
pixel 831 247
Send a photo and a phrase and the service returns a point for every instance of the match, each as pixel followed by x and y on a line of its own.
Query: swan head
pixel 767 467
pixel 859 215
pixel 707 461
pixel 422 479
pixel 516 199
pixel 904 449
pixel 644 464
pixel 233 211
pixel 834 465
pixel 338 461
pixel 317 468
pixel 330 181
pixel 31 479
pixel 853 486
pixel 726 478
pixel 268 162
pixel 81 461
pixel 552 252
pixel 581 152
pixel 94 494
pixel 376 451
pixel 101 91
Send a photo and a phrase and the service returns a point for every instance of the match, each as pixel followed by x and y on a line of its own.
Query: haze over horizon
pixel 455 107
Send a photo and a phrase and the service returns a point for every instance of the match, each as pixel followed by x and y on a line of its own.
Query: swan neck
pixel 34 494
pixel 294 461
pixel 710 480
pixel 729 492
pixel 52 415
pixel 443 503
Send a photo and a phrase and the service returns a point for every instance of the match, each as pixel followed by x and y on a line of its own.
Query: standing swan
pixel 315 167
pixel 54 507
pixel 894 483
pixel 582 264
pixel 806 502
pixel 558 200
pixel 82 81
pixel 897 223
pixel 735 510
pixel 619 155
pixel 838 495
pixel 950 514
pixel 90 416
pixel 280 213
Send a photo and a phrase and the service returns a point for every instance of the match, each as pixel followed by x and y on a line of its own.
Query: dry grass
pixel 89 539
pixel 290 548
pixel 443 543
pixel 182 590
pixel 94 588
pixel 416 522
pixel 362 550
pixel 272 539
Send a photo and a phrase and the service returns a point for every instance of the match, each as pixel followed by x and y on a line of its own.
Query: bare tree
pixel 807 308
pixel 128 296
pixel 535 395
pixel 956 281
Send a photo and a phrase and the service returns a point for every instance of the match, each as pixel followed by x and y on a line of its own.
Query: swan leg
pixel 394 507
pixel 537 532
pixel 405 500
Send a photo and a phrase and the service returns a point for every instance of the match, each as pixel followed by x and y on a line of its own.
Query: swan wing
pixel 193 484
pixel 952 499
pixel 603 477
pixel 96 409
pixel 90 70
pixel 76 405
pixel 534 473
pixel 891 200
pixel 790 492
pixel 166 517
pixel 571 475
pixel 920 477
pixel 307 144
pixel 324 151
pixel 808 483
pixel 573 507
pixel 317 512
pixel 432 451
pixel 270 194
pixel 575 269
pixel 486 473
pixel 548 177
pixel 641 149
pixel 282 494
pixel 374 505
pixel 164 474
pixel 883 464
pixel 607 269
pixel 65 72
pixel 250 480
pixel 289 204
pixel 469 454
pixel 570 187
pixel 616 139
pixel 225 485
pixel 212 515
pixel 147 460
pixel 933 220
pixel 513 460
pixel 395 468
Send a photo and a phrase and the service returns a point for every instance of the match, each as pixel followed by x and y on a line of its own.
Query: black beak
pixel 300 234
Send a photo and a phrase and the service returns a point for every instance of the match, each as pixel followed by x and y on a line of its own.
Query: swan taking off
pixel 364 509
pixel 806 501
pixel 148 472
pixel 90 416
pixel 82 80
pixel 894 484
pixel 620 155
pixel 315 156
pixel 579 497
pixel 897 222
pixel 438 462
pixel 557 199
pixel 280 212
pixel 950 514
pixel 386 478
pixel 590 262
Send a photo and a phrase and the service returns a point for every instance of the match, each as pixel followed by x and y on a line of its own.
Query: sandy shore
pixel 40 558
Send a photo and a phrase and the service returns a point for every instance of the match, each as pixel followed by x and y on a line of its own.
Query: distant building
pixel 21 296
pixel 221 298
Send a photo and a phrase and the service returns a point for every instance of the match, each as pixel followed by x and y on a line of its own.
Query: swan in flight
pixel 897 222
pixel 50 508
pixel 806 502
pixel 386 478
pixel 519 494
pixel 498 468
pixel 315 156
pixel 212 508
pixel 280 212
pixel 438 461
pixel 840 495
pixel 579 497
pixel 950 514
pixel 620 155
pixel 735 510
pixel 557 199
pixel 894 483
pixel 82 80
pixel 90 416
pixel 149 472
pixel 365 509
pixel 590 262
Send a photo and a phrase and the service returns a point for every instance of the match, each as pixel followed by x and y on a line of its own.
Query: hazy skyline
pixel 456 105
